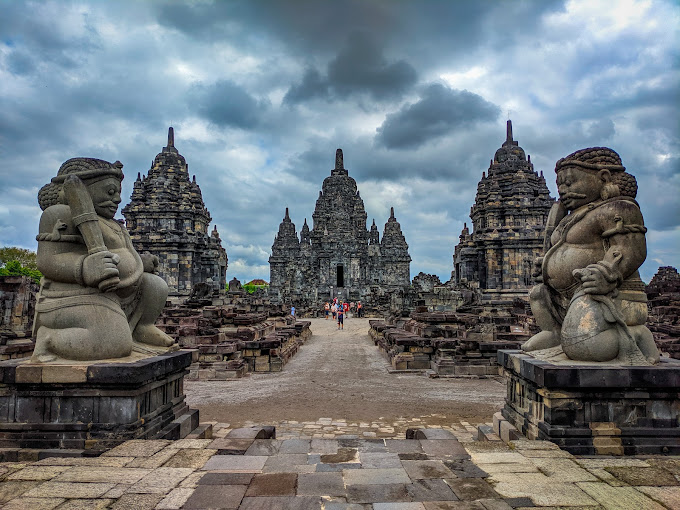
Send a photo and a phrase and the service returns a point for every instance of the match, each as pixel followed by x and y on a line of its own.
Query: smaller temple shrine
pixel 508 220
pixel 166 217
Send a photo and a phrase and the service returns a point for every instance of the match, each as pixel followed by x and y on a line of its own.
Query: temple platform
pixel 96 405
pixel 586 410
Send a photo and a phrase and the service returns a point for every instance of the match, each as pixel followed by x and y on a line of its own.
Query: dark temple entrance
pixel 340 276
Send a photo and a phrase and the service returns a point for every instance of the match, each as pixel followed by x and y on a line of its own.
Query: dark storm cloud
pixel 226 104
pixel 440 111
pixel 359 68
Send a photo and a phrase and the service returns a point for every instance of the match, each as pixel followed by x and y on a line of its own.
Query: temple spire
pixel 339 164
pixel 392 213
pixel 171 137
pixel 509 131
pixel 286 217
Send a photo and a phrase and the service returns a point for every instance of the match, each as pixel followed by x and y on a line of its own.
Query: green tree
pixel 25 257
pixel 18 262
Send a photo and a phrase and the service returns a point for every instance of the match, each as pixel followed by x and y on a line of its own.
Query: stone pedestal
pixel 94 405
pixel 595 409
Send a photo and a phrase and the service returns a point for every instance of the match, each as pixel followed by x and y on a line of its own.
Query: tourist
pixel 360 309
pixel 326 308
pixel 351 308
pixel 292 311
pixel 341 316
pixel 345 308
pixel 334 310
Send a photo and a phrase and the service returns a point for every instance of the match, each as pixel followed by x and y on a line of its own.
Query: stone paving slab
pixel 344 472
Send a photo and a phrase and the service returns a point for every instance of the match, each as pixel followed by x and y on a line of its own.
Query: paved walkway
pixel 443 470
pixel 342 374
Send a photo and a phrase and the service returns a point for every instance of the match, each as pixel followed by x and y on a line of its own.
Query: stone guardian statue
pixel 98 297
pixel 589 302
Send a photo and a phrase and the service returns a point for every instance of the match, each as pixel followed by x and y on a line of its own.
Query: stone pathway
pixel 443 468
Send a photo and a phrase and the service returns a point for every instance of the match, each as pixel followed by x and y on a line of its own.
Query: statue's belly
pixel 130 267
pixel 560 264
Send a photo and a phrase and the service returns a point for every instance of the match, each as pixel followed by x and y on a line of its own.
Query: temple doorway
pixel 340 276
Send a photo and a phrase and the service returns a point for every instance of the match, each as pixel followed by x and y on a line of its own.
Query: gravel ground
pixel 341 374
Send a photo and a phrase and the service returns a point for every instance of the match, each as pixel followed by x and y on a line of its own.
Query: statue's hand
pixel 150 262
pixel 594 280
pixel 99 267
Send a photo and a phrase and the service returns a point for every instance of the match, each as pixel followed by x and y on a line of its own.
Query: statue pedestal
pixel 586 410
pixel 94 405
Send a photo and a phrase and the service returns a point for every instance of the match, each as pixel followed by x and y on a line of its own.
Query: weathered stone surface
pixel 272 484
pixel 69 490
pixel 215 496
pixel 166 217
pixel 375 476
pixel 190 458
pixel 338 257
pixel 598 409
pixel 589 301
pixel 102 474
pixel 325 484
pixel 236 463
pixel 508 218
pixel 175 499
pixel 423 469
pixel 619 498
pixel 137 501
pixel 34 503
pixel 649 477
pixel 430 490
pixel 84 253
pixel 663 293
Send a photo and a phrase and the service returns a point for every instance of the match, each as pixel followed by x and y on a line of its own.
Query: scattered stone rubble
pixel 17 308
pixel 450 343
pixel 663 293
pixel 235 334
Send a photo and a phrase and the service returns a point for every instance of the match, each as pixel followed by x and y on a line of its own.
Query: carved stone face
pixel 578 187
pixel 105 195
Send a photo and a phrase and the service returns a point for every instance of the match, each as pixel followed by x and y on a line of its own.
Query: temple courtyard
pixel 347 434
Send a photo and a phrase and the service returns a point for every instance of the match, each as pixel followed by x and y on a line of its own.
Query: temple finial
pixel 391 212
pixel 339 164
pixel 509 131
pixel 171 137
pixel 286 217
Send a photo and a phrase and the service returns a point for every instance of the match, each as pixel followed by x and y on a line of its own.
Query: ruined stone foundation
pixel 590 410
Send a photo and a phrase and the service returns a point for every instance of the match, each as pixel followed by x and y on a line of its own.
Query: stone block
pixel 593 409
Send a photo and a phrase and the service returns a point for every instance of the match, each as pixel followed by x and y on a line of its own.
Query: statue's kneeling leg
pixel 70 334
pixel 154 292
pixel 645 342
pixel 549 336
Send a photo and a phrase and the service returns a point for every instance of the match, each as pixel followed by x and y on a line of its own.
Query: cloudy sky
pixel 416 93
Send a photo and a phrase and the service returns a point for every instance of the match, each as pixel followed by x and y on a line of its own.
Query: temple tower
pixel 166 216
pixel 338 256
pixel 508 220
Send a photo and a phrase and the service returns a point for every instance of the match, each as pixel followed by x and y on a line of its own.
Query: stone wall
pixel 17 309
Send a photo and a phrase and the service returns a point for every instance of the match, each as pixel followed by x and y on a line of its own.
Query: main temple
pixel 508 220
pixel 339 256
pixel 166 216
